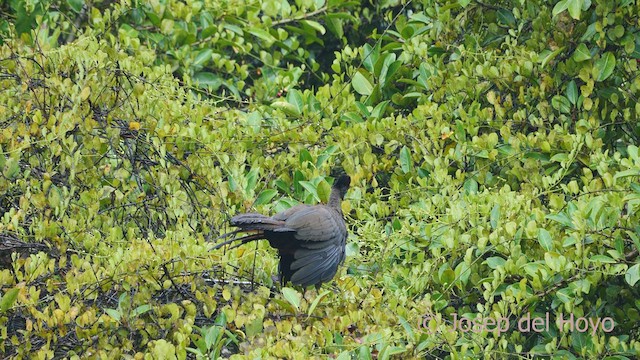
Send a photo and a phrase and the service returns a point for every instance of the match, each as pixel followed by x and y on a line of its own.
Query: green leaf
pixel 559 157
pixel 363 109
pixel 76 5
pixel 207 80
pixel 361 85
pixel 252 179
pixel 589 33
pixel 254 121
pixel 352 249
pixel 506 149
pixel 206 32
pixel 407 327
pixel 266 196
pixel 370 56
pixel 234 28
pixel 388 351
pixel 544 158
pixel 406 162
pixel 554 261
pixel 572 92
pixel 484 154
pixel 561 104
pixel 547 56
pixel 232 183
pixel 634 152
pixel 382 67
pixel 335 25
pixel 393 68
pixel 315 25
pixel 447 276
pixel 316 301
pixel 292 296
pixel 411 95
pixel 633 275
pixel 298 177
pixel 183 37
pixel 626 173
pixel 378 111
pixel 213 334
pixel 255 327
pixel 582 53
pixel 464 3
pixel 113 313
pixel 575 7
pixel 580 340
pixel 544 238
pixel 312 189
pixel 494 262
pixel 436 51
pixel 425 75
pixel 561 218
pixel 470 186
pixel 203 57
pixel 604 259
pixel 286 107
pixel 3 158
pixel 560 7
pixel 324 191
pixel 325 155
pixel 463 271
pixel 495 216
pixel 221 319
pixel 506 17
pixel 565 295
pixel 305 158
pixel 352 117
pixel 263 35
pixel 12 168
pixel 461 135
pixel 8 299
pixel 603 68
pixel 397 224
pixel 140 310
pixel 294 97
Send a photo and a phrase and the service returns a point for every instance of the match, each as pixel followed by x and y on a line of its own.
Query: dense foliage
pixel 492 147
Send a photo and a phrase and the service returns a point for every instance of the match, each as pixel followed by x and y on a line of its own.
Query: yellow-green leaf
pixel 8 299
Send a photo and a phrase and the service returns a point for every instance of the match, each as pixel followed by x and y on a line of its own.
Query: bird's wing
pixel 317 224
pixel 284 215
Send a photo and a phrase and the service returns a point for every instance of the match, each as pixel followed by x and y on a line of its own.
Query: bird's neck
pixel 335 200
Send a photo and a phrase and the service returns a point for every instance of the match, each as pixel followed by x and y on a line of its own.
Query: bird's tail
pixel 249 222
pixel 241 241
pixel 253 221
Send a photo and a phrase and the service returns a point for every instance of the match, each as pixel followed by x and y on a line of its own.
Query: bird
pixel 310 239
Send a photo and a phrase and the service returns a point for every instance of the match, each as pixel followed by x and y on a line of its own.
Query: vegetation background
pixel 492 147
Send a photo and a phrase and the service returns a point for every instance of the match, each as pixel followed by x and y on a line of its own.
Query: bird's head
pixel 342 185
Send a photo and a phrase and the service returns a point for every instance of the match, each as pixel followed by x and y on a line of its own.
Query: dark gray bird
pixel 310 239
